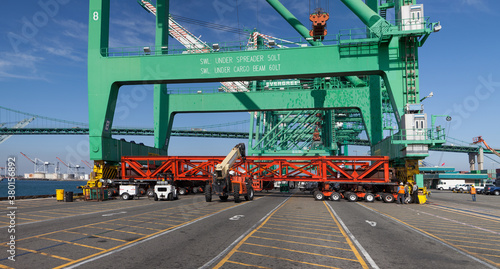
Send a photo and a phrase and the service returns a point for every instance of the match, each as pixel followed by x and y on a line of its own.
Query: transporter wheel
pixel 497 193
pixel 379 196
pixel 352 197
pixel 388 198
pixel 125 196
pixel 195 190
pixel 318 196
pixel 223 197
pixel 335 196
pixel 236 190
pixel 150 192
pixel 250 193
pixel 208 193
pixel 182 191
pixel 112 192
pixel 156 197
pixel 141 191
pixel 369 198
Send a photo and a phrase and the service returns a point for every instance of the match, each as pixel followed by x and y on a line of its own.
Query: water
pixel 40 187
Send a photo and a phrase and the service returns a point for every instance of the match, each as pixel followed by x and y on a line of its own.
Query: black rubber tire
pixel 208 193
pixel 250 194
pixel 195 190
pixel 156 197
pixel 176 196
pixel 369 197
pixel 150 192
pixel 352 197
pixel 236 191
pixel 496 193
pixel 440 189
pixel 346 194
pixel 125 196
pixel 388 198
pixel 223 197
pixel 319 196
pixel 170 197
pixel 335 196
pixel 182 191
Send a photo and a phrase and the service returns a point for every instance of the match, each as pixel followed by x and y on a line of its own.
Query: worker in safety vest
pixel 473 193
pixel 401 194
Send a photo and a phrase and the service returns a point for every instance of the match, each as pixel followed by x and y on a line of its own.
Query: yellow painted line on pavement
pixel 142 238
pixel 133 226
pixel 304 232
pixel 302 252
pixel 304 224
pixel 95 235
pixel 475 242
pixel 321 230
pixel 476 239
pixel 299 243
pixel 70 243
pixel 149 222
pixel 490 249
pixel 304 237
pixel 248 265
pixel 5 266
pixel 285 259
pixel 468 214
pixel 46 254
pixel 114 230
pixel 498 256
pixel 224 260
pixel 354 249
pixel 432 235
pixel 293 218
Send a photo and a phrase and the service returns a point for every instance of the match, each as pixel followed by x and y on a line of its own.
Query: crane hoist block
pixel 318 20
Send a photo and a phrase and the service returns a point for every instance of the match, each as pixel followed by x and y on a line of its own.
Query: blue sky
pixel 43 69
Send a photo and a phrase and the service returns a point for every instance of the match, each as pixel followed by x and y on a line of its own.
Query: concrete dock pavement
pixel 275 230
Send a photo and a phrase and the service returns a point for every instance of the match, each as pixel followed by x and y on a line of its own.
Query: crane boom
pixel 62 162
pixel 222 169
pixel 193 44
pixel 28 158
pixel 479 139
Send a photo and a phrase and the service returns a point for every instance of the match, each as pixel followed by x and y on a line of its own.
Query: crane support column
pixel 162 125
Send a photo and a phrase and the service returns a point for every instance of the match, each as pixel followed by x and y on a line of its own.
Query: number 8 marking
pixel 96 15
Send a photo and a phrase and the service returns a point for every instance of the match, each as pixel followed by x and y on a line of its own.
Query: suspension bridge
pixel 16 122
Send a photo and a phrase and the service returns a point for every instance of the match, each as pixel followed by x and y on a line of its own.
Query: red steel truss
pixel 354 169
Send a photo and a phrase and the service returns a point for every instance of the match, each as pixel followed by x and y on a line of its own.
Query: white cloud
pixel 19 65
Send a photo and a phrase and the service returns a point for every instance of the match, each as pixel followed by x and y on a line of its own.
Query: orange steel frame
pixel 342 169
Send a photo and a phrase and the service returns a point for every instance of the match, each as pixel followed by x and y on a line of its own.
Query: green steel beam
pixel 293 21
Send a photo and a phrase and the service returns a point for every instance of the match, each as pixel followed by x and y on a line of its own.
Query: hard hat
pixel 401 183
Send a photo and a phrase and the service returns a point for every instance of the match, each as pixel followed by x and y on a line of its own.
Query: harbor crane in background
pixel 39 165
pixel 72 169
pixel 479 140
